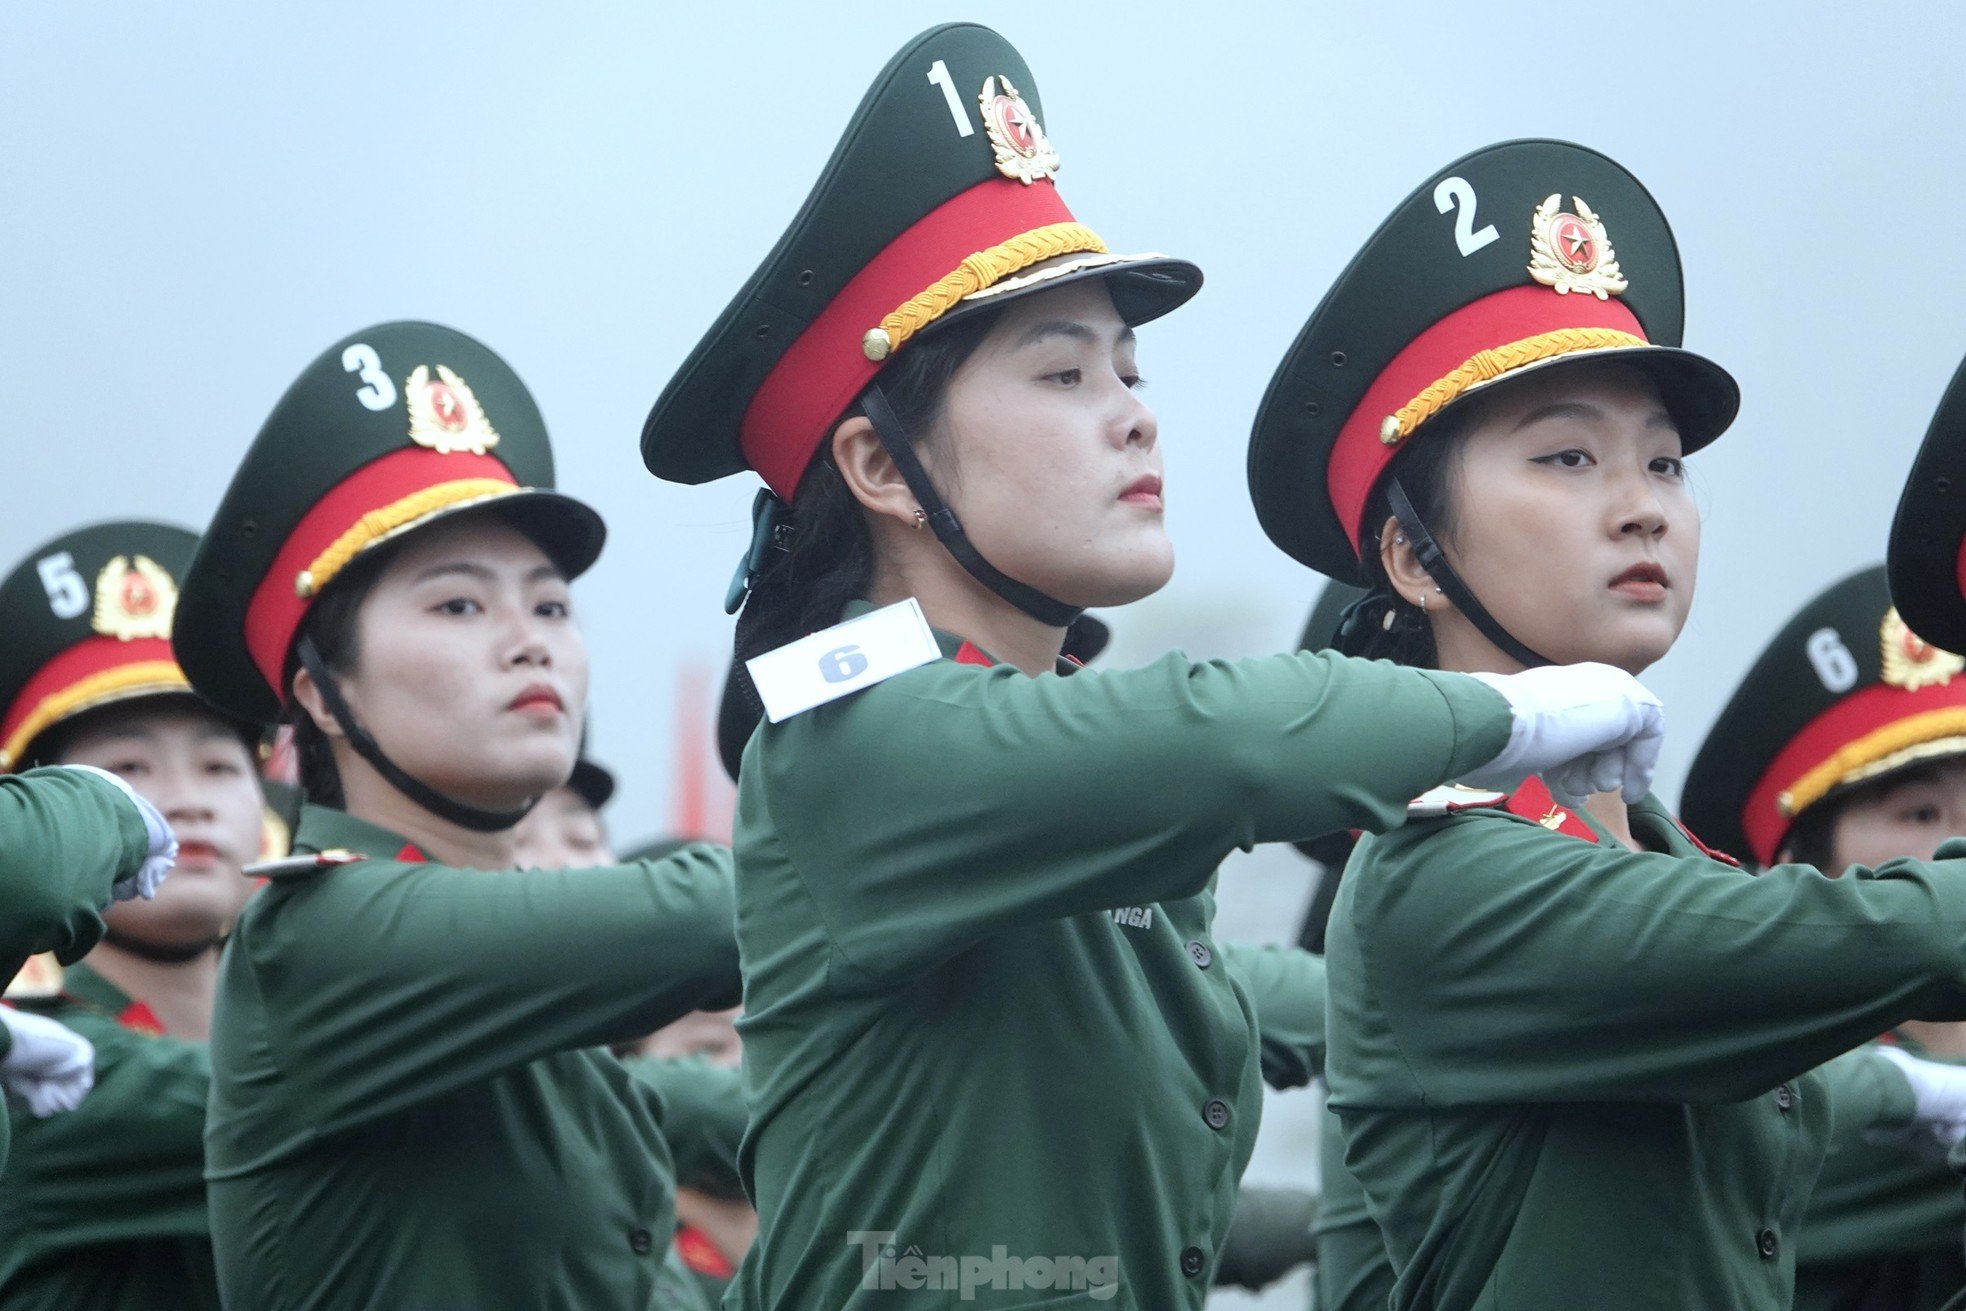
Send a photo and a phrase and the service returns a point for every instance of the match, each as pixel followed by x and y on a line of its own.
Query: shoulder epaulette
pixel 290 867
pixel 1451 799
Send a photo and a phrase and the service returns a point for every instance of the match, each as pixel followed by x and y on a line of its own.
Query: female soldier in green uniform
pixel 991 1052
pixel 408 1107
pixel 105 1206
pixel 1877 717
pixel 72 838
pixel 1571 1047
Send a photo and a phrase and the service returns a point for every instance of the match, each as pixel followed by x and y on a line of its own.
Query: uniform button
pixel 1766 1243
pixel 1785 1097
pixel 1193 1261
pixel 640 1241
pixel 1216 1113
pixel 1199 951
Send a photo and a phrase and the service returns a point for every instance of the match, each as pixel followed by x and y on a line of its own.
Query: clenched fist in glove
pixel 49 1066
pixel 163 843
pixel 1585 728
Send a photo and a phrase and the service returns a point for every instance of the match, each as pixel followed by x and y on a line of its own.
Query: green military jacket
pixel 407 1106
pixel 1884 1225
pixel 1574 1074
pixel 993 1055
pixel 1353 1271
pixel 65 838
pixel 104 1206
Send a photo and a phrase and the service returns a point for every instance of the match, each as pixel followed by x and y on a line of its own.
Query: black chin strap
pixel 443 807
pixel 152 951
pixel 1428 551
pixel 1044 609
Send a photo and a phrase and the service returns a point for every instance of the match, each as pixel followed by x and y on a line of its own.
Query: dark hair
pixel 829 556
pixel 1426 469
pixel 1811 840
pixel 330 622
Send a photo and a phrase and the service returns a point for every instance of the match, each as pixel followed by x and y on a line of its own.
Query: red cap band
pixel 1358 457
pixel 1853 718
pixel 274 614
pixel 820 373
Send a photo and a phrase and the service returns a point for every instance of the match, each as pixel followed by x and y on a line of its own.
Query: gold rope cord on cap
pixel 380 523
pixel 978 271
pixel 1871 754
pixel 1488 365
pixel 124 680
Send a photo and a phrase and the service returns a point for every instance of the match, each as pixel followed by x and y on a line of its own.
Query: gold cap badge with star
pixel 1024 153
pixel 135 598
pixel 1570 251
pixel 444 414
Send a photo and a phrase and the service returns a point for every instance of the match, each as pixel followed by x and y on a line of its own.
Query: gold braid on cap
pixel 380 524
pixel 1915 737
pixel 1488 365
pixel 978 271
pixel 139 678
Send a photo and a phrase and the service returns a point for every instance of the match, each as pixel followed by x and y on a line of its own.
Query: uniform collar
pixel 959 649
pixel 323 828
pixel 88 989
pixel 1655 827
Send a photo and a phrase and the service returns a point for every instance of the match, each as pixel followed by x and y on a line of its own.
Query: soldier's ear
pixel 870 472
pixel 308 693
pixel 1409 579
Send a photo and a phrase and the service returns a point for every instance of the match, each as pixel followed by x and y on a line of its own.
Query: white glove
pixel 163 843
pixel 50 1066
pixel 1938 1094
pixel 1585 728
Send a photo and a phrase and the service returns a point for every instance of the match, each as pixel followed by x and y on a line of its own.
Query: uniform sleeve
pixel 129 1162
pixel 1866 1094
pixel 64 839
pixel 952 802
pixel 1512 964
pixel 389 984
pixel 1286 985
pixel 703 1119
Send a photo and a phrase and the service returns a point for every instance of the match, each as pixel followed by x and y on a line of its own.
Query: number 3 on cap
pixel 377 392
pixel 841 664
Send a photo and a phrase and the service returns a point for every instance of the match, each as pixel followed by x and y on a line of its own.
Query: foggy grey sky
pixel 198 199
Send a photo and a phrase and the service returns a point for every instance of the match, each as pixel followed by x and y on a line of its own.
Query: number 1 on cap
pixel 938 73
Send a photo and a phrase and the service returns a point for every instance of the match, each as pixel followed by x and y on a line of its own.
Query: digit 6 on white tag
pixel 843 659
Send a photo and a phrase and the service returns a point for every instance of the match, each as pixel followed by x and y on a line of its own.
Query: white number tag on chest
pixel 842 659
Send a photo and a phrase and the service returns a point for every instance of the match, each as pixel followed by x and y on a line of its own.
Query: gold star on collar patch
pixel 1023 151
pixel 1570 251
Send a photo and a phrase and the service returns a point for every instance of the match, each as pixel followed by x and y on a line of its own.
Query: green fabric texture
pixel 1883 1228
pixel 702 1119
pixel 104 1206
pixel 408 1107
pixel 982 1000
pixel 1353 1271
pixel 1572 1072
pixel 1286 985
pixel 65 838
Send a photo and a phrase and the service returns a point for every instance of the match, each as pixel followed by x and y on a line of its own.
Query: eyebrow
pixel 1658 418
pixel 1037 332
pixel 484 574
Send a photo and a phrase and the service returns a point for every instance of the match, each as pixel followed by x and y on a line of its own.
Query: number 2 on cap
pixel 1455 194
pixel 938 73
pixel 377 392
